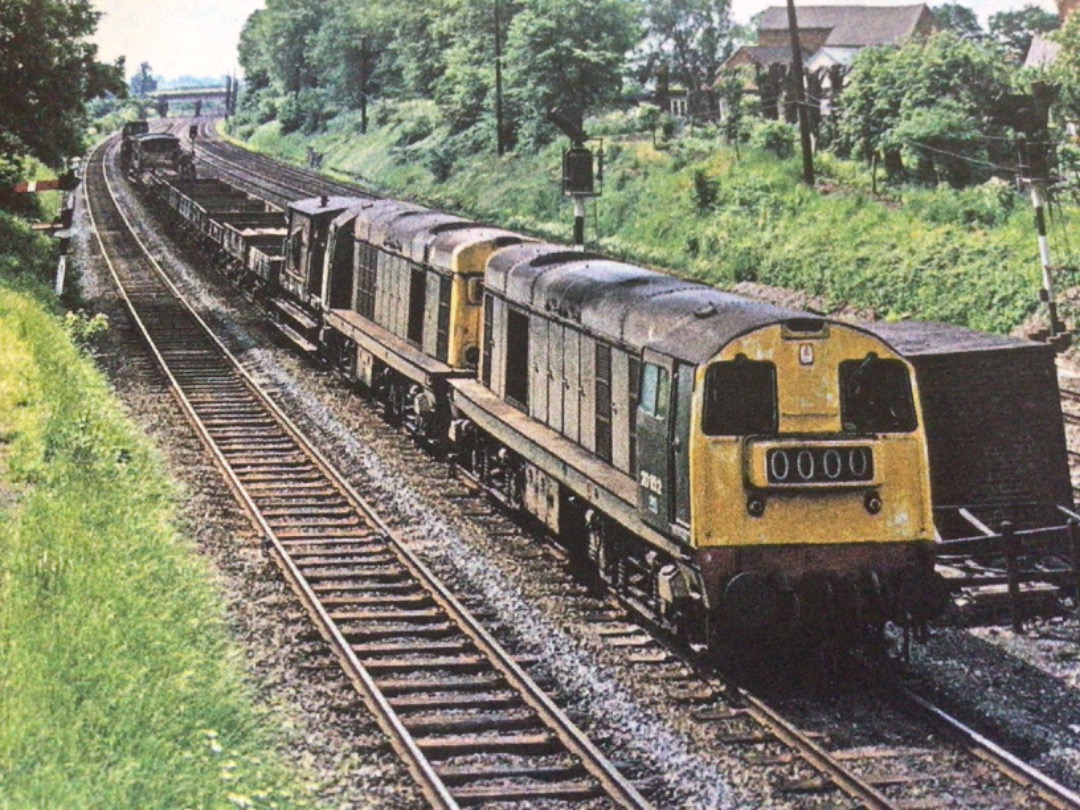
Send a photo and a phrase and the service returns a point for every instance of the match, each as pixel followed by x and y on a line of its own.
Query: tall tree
pixel 143 83
pixel 931 99
pixel 48 72
pixel 466 90
pixel 345 51
pixel 686 41
pixel 959 19
pixel 254 52
pixel 567 54
pixel 292 29
pixel 416 44
pixel 1066 68
pixel 1014 30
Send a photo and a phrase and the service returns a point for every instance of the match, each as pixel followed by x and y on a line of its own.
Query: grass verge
pixel 119 685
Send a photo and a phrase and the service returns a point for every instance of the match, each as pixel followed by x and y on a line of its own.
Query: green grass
pixel 119 684
pixel 967 258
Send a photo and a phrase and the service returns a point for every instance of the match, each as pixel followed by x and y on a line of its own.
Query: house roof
pixel 851 26
pixel 758 55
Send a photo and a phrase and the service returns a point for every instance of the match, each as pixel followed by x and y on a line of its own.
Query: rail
pixel 340 557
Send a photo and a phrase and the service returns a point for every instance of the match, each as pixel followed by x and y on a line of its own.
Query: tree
pixel 292 29
pixel 143 83
pixel 686 40
pixel 959 19
pixel 465 91
pixel 930 99
pixel 416 44
pixel 48 73
pixel 1014 30
pixel 345 52
pixel 732 90
pixel 567 54
pixel 1066 68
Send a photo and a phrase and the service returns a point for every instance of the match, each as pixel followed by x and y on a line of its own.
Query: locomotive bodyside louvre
pixel 418 274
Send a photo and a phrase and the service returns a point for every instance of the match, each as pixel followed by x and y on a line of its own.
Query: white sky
pixel 199 37
pixel 177 37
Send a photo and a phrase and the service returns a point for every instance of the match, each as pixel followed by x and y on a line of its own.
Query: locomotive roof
pixel 446 243
pixel 412 231
pixel 373 220
pixel 501 263
pixel 344 218
pixel 314 206
pixel 628 304
pixel 925 338
pixel 155 136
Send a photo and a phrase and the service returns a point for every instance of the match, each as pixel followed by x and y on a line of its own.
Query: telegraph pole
pixel 1035 172
pixel 363 84
pixel 498 84
pixel 800 96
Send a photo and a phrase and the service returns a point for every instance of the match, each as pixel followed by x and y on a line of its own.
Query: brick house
pixel 829 38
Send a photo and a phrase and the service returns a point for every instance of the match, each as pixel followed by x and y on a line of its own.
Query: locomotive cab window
pixel 875 396
pixel 654 394
pixel 740 399
pixel 295 249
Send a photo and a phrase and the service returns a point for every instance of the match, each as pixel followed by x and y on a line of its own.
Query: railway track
pixel 952 756
pixel 470 724
pixel 838 770
pixel 263 177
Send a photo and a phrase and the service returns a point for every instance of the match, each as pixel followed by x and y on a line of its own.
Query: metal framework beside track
pixel 440 686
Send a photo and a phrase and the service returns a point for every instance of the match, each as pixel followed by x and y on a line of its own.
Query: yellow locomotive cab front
pixel 808 438
pixel 811 493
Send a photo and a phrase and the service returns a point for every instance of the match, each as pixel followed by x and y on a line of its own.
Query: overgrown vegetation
pixel 719 201
pixel 699 208
pixel 119 687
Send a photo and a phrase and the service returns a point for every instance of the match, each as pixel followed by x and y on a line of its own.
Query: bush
pixel 985 206
pixel 775 137
pixel 24 255
pixel 623 122
pixel 307 112
pixel 82 327
pixel 705 191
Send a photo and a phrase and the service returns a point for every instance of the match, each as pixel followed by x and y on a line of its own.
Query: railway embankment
pixel 119 683
pixel 698 207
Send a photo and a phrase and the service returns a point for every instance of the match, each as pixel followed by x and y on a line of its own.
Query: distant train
pixel 746 475
pixel 142 151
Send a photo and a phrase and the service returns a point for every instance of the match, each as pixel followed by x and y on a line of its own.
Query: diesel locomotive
pixel 744 474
